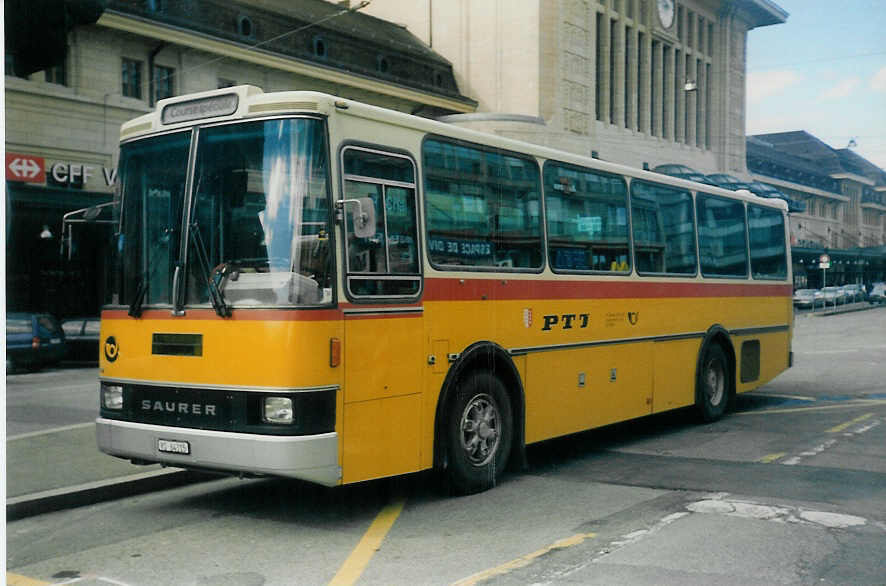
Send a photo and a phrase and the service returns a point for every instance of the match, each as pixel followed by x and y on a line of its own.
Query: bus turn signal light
pixel 334 352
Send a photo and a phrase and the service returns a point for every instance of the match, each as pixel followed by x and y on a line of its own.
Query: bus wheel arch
pixel 473 370
pixel 715 375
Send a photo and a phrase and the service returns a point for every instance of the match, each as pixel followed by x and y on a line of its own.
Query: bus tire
pixel 479 433
pixel 713 384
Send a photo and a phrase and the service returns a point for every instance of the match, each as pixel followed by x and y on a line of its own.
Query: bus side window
pixel 385 264
pixel 587 219
pixel 664 231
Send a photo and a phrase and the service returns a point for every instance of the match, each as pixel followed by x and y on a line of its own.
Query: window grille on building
pixel 164 81
pixel 655 82
pixel 132 78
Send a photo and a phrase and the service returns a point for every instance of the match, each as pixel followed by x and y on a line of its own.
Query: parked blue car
pixel 33 340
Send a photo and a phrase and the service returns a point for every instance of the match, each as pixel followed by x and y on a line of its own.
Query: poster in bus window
pixel 471 250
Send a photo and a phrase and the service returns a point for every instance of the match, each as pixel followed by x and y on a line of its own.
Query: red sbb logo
pixel 25 168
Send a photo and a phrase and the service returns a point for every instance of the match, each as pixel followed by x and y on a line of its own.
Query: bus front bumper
pixel 313 458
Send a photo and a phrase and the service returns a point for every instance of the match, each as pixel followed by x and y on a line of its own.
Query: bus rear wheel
pixel 713 385
pixel 479 434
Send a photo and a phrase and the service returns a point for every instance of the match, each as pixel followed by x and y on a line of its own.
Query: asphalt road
pixel 51 398
pixel 790 488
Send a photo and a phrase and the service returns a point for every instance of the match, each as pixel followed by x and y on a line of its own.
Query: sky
pixel 822 71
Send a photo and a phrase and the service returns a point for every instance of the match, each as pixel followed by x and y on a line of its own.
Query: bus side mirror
pixel 362 213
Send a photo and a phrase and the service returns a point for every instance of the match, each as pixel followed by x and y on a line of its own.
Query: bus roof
pixel 246 102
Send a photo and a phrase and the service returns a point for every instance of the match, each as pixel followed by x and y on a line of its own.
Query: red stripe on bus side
pixel 236 314
pixel 453 289
pixel 503 289
pixel 382 315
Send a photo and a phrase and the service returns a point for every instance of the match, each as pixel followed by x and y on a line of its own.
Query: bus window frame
pixel 784 242
pixel 626 180
pixel 692 194
pixel 747 245
pixel 385 150
pixel 495 150
pixel 189 194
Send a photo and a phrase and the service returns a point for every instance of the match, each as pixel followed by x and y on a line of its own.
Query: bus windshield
pixel 254 232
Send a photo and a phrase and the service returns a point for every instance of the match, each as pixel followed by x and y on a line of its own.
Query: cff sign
pixel 25 168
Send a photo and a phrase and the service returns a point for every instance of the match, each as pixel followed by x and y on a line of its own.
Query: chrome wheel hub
pixel 480 429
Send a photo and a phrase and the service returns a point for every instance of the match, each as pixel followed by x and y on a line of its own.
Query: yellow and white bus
pixel 310 287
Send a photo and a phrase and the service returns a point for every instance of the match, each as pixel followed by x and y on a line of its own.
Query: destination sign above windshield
pixel 210 107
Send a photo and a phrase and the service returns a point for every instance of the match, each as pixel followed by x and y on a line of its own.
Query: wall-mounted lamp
pixel 690 86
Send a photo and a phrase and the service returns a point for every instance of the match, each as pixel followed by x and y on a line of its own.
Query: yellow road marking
pixel 854 404
pixel 771 457
pixel 353 567
pixel 842 426
pixel 781 396
pixel 523 561
pixel 19 580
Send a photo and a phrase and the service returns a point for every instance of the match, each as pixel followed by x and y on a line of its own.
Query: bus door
pixel 383 339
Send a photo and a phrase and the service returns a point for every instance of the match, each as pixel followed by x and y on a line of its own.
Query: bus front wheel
pixel 479 433
pixel 714 384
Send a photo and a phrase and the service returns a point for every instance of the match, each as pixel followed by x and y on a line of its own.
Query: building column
pixel 691 100
pixel 647 67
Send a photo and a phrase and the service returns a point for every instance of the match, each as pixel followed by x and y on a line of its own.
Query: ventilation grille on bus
pixel 277 106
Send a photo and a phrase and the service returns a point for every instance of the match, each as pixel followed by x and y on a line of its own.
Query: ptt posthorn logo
pixel 112 350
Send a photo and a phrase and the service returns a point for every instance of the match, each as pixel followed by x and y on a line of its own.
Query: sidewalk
pixel 58 469
pixel 847 308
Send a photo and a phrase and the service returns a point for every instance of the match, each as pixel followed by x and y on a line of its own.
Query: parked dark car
pixel 81 338
pixel 728 181
pixel 808 298
pixel 33 340
pixel 853 293
pixel 764 190
pixel 683 172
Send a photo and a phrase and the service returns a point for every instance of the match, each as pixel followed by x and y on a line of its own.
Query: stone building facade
pixel 631 81
pixel 62 125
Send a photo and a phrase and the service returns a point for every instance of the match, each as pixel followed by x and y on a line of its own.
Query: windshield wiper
pixel 141 290
pixel 215 295
pixel 135 308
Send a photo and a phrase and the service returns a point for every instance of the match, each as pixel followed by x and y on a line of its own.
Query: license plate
pixel 173 447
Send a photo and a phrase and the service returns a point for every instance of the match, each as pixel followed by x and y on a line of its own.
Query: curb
pixel 842 311
pixel 103 490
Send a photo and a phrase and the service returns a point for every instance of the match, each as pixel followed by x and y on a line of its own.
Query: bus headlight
pixel 112 397
pixel 277 410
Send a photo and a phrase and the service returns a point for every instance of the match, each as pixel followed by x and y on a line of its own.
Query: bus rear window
pixel 768 251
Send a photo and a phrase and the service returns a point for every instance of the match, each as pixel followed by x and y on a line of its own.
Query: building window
pixel 382 64
pixel 164 81
pixel 244 27
pixel 58 74
pixel 320 47
pixel 132 78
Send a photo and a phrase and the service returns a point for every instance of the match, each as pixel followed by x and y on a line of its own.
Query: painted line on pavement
pixel 842 426
pixel 353 567
pixel 19 580
pixel 523 561
pixel 848 405
pixel 782 396
pixel 48 431
pixel 768 459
